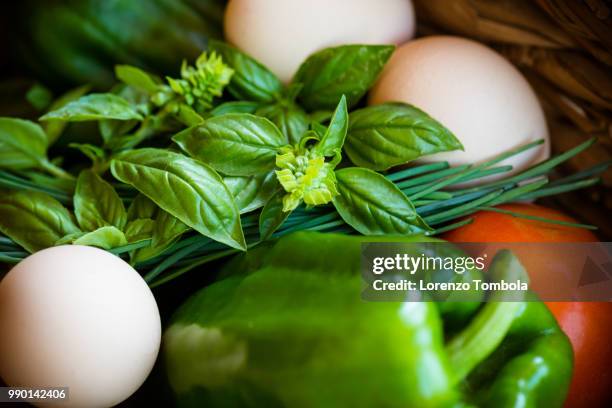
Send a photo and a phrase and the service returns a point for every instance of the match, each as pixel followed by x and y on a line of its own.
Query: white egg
pixel 78 317
pixel 471 89
pixel 281 34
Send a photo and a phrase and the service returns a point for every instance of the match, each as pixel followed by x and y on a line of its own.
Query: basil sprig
pixel 278 147
pixel 245 148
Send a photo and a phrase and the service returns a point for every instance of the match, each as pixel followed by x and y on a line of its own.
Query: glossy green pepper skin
pixel 285 326
pixel 71 42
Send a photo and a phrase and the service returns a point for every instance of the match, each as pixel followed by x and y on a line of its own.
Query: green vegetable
pixel 290 119
pixel 346 70
pixel 236 144
pixel 94 107
pixel 333 139
pixel 23 144
pixel 189 190
pixel 137 78
pixel 104 237
pixel 285 326
pixel 251 192
pixel 139 229
pixel 251 80
pixel 375 206
pixel 203 82
pixel 79 41
pixel 97 204
pixel 34 220
pixel 166 230
pixel 54 128
pixel 272 215
pixel 383 136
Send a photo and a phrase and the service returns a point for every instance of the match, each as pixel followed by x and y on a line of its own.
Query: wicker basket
pixel 564 48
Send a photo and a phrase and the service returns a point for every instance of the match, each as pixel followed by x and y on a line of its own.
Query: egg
pixel 472 90
pixel 78 317
pixel 281 34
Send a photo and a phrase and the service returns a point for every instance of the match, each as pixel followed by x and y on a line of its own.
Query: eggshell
pixel 281 34
pixel 471 89
pixel 78 317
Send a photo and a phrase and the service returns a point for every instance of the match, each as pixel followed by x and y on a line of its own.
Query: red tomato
pixel 587 324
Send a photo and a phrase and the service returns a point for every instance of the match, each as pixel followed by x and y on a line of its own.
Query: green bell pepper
pixel 285 326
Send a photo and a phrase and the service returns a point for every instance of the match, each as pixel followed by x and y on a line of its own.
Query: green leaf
pixel 107 237
pixel 272 215
pixel 383 136
pixel 139 229
pixel 95 107
pixel 55 128
pixel 34 220
pixel 23 144
pixel 236 144
pixel 97 204
pixel 136 77
pixel 187 115
pixel 167 230
pixel 346 70
pixel 94 153
pixel 186 188
pixel 142 207
pixel 333 138
pixel 251 80
pixel 251 192
pixel 112 129
pixel 235 107
pixel 290 119
pixel 374 205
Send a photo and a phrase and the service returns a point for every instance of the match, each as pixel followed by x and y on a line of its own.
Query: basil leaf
pixel 107 237
pixel 334 136
pixel 251 80
pixel 290 119
pixel 94 153
pixel 136 77
pixel 236 144
pixel 374 205
pixel 346 70
pixel 251 192
pixel 167 230
pixel 23 144
pixel 235 107
pixel 95 107
pixel 186 188
pixel 139 229
pixel 111 129
pixel 34 220
pixel 383 136
pixel 142 207
pixel 187 115
pixel 272 215
pixel 55 128
pixel 97 204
